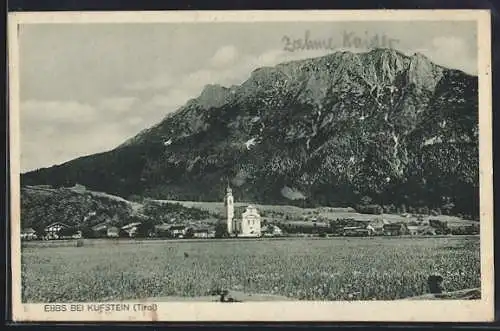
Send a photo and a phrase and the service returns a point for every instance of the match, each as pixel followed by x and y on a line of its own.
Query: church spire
pixel 229 203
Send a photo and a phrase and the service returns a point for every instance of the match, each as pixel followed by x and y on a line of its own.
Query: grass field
pixel 306 269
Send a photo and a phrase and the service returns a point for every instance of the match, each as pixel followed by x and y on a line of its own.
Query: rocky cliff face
pixel 397 128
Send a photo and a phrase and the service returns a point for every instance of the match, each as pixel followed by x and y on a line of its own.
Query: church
pixel 246 226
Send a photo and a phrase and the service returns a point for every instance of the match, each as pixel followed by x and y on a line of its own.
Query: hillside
pixel 80 208
pixel 324 131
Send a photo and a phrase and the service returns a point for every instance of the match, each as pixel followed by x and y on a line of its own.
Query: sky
pixel 86 88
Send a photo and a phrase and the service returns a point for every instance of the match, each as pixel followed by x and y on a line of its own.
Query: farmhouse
pixel 52 230
pixel 101 227
pixel 308 227
pixel 131 228
pixel 441 227
pixel 395 229
pixel 177 230
pixel 355 231
pixel 28 234
pixel 337 227
pixel 271 231
pixel 99 230
pixel 427 231
pixel 376 226
pixel 161 230
pixel 414 229
pixel 105 229
pixel 112 232
pixel 202 232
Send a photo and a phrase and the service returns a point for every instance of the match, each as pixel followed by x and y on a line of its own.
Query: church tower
pixel 229 202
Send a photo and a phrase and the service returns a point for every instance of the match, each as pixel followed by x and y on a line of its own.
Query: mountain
pixel 331 130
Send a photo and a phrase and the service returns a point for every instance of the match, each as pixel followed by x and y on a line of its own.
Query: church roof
pixel 239 210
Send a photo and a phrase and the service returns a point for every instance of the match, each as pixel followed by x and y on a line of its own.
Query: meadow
pixel 331 213
pixel 379 268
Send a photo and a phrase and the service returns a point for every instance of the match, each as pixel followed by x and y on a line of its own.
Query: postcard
pixel 251 166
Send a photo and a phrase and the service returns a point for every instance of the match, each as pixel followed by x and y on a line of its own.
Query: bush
pixel 79 243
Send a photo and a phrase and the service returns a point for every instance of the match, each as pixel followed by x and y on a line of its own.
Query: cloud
pixel 49 145
pixel 69 129
pixel 72 129
pixel 117 104
pixel 198 79
pixel 170 101
pixel 225 55
pixel 57 111
pixel 451 52
pixel 161 81
pixel 56 131
pixel 135 120
pixel 236 70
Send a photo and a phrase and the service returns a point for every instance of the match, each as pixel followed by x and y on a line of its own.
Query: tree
pixel 189 233
pixel 40 230
pixel 123 234
pixel 67 232
pixel 366 200
pixel 87 231
pixel 145 228
pixel 447 207
pixel 221 231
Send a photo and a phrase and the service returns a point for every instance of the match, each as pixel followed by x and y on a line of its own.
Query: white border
pixel 403 311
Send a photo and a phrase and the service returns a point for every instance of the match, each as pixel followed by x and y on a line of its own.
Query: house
pixel 28 234
pixel 376 226
pixel 395 229
pixel 271 230
pixel 105 229
pixel 77 235
pixel 337 226
pixel 52 230
pixel 131 228
pixel 440 226
pixel 161 230
pixel 100 227
pixel 177 230
pixel 427 231
pixel 201 232
pixel 414 230
pixel 306 227
pixel 355 231
pixel 99 230
pixel 112 232
pixel 421 230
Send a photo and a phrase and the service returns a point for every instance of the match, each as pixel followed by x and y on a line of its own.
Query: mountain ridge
pixel 333 128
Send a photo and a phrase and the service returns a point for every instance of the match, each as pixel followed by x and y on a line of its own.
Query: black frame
pixel 112 5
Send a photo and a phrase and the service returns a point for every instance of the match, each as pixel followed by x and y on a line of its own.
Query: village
pixel 250 224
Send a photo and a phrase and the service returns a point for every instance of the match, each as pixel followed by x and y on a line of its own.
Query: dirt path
pixel 240 296
pixel 468 294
